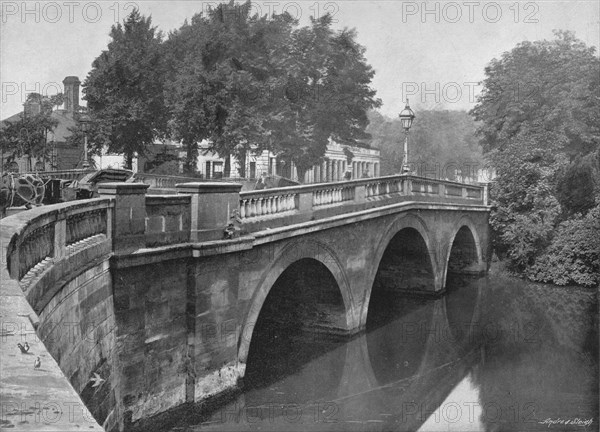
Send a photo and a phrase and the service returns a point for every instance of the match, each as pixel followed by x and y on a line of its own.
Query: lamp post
pixel 85 121
pixel 406 118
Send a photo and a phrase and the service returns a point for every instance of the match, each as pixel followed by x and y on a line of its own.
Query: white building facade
pixel 338 159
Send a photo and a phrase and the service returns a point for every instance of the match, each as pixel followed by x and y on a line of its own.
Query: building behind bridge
pixel 63 156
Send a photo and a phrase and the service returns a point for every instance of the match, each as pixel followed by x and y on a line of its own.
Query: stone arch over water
pixel 301 260
pixel 464 252
pixel 405 240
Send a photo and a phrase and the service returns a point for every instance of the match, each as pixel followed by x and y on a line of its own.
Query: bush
pixel 574 254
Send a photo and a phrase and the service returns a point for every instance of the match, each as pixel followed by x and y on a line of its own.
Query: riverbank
pixel 499 268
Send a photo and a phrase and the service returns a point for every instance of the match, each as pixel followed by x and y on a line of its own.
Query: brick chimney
pixel 32 108
pixel 71 84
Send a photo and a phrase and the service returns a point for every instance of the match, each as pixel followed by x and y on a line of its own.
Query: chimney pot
pixel 71 84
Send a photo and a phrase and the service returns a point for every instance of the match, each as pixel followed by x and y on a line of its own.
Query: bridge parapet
pixel 54 232
pixel 296 204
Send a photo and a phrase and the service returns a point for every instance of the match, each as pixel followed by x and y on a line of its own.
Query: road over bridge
pixel 163 294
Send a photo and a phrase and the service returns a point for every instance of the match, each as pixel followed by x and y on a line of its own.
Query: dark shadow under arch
pixel 298 321
pixel 405 268
pixel 464 254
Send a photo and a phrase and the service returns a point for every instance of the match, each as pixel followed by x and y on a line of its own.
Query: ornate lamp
pixel 85 120
pixel 406 118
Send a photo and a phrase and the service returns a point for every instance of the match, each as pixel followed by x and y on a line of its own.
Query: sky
pixel 432 52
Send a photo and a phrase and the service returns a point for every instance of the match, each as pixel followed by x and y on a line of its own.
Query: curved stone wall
pixel 57 297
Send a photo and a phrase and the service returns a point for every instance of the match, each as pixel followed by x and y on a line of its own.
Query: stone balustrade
pixel 263 204
pixel 48 231
pixel 314 197
pixel 384 186
pixel 333 195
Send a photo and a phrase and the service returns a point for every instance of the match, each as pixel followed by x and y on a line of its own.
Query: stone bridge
pixel 147 292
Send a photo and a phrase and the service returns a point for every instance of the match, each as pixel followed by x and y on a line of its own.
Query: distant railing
pixel 73 174
pixel 162 181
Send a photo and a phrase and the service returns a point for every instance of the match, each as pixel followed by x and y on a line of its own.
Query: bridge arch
pixel 402 222
pixel 291 254
pixel 464 244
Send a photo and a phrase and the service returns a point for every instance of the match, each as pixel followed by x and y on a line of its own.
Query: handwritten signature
pixel 571 421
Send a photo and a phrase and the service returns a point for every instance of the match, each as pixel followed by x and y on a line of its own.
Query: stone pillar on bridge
pixel 129 225
pixel 212 208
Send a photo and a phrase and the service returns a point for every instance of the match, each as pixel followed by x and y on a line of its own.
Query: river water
pixel 493 354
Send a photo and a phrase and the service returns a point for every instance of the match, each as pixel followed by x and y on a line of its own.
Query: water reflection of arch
pixel 463 305
pixel 292 253
pixel 442 365
pixel 402 222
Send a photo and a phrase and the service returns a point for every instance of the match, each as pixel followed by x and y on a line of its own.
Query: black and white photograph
pixel 304 215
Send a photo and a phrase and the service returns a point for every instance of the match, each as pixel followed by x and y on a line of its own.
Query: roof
pixel 60 133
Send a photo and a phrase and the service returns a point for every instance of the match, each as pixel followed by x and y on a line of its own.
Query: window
pixel 217 170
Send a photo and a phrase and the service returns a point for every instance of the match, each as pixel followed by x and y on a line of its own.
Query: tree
pixel 538 124
pixel 124 90
pixel 577 185
pixel 247 83
pixel 222 66
pixel 542 86
pixel 327 94
pixel 28 136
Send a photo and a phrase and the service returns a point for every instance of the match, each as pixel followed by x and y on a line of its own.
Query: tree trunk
pixel 242 165
pixel 189 164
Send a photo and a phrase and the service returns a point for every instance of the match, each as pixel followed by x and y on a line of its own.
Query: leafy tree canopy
pixel 542 86
pixel 239 81
pixel 124 90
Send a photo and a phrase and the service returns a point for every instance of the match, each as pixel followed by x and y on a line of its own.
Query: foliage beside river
pixel 540 128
